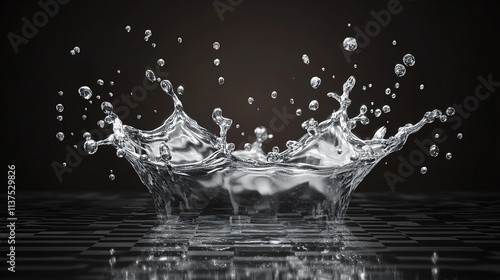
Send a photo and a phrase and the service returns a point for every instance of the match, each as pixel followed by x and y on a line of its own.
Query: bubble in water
pixel 434 151
pixel 386 108
pixel 85 92
pixel 400 70
pixel 315 82
pixel 90 146
pixel 59 108
pixel 179 40
pixel 111 177
pixel 460 136
pixel 409 59
pixel 216 45
pixel 216 62
pixel 387 91
pixel 60 136
pixel 423 170
pixel 180 90
pixel 274 94
pixel 434 258
pixel 377 113
pixel 292 101
pixel 221 80
pixel 298 112
pixel 394 42
pixel 314 105
pixel 305 59
pixel 160 62
pixel 128 28
pixel 100 82
pixel 106 107
pixel 59 118
pixel 421 87
pixel 150 75
pixel 60 93
pixel 450 111
pixel 350 44
pixel 250 100
pixel 448 156
pixel 396 85
pixel 247 146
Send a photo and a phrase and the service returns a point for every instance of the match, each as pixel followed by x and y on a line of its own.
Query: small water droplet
pixel 64 164
pixel 221 80
pixel 314 105
pixel 292 101
pixel 315 82
pixel 250 100
pixel 139 117
pixel 363 88
pixel 59 108
pixel 128 28
pixel 400 70
pixel 305 59
pixel 396 85
pixel 423 170
pixel 237 125
pixel 216 45
pixel 387 91
pixel 276 149
pixel 180 90
pixel 110 94
pixel 386 108
pixel 274 94
pixel 60 93
pixel 333 76
pixel 448 156
pixel 434 258
pixel 298 112
pixel 370 85
pixel 421 87
pixel 350 44
pixel 460 136
pixel 216 62
pixel 242 133
pixel 394 42
pixel 150 75
pixel 377 113
pixel 72 52
pixel 393 95
pixel 100 82
pixel 59 118
pixel 90 146
pixel 323 69
pixel 409 60
pixel 111 83
pixel 355 65
pixel 60 136
pixel 147 34
pixel 118 71
pixel 153 45
pixel 349 25
pixel 111 177
pixel 84 117
pixel 434 151
pixel 77 49
pixel 85 92
pixel 179 40
pixel 100 123
pixel 106 107
pixel 160 62
pixel 436 135
pixel 450 111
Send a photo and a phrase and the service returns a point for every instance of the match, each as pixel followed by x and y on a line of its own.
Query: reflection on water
pixel 258 247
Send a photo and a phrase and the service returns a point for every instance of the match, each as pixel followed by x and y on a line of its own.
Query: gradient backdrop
pixel 262 42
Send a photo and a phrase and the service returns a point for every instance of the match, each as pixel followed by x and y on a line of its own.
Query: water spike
pixel 380 133
pixel 348 85
pixel 167 87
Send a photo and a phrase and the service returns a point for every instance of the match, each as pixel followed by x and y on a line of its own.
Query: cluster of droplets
pixel 75 50
pixel 408 61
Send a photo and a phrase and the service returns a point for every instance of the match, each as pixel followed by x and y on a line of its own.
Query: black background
pixel 262 43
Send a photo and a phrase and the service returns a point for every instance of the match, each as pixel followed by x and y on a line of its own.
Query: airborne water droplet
pixel 394 42
pixel 423 170
pixel 315 82
pixel 460 136
pixel 180 90
pixel 59 118
pixel 179 40
pixel 434 258
pixel 387 91
pixel 160 62
pixel 60 93
pixel 60 136
pixel 434 151
pixel 250 100
pixel 90 146
pixel 400 70
pixel 128 28
pixel 100 123
pixel 409 59
pixel 106 107
pixel 274 94
pixel 386 108
pixel 111 177
pixel 448 156
pixel 292 101
pixel 216 45
pixel 150 75
pixel 216 62
pixel 298 112
pixel 377 113
pixel 59 108
pixel 396 85
pixel 221 80
pixel 100 82
pixel 450 111
pixel 85 92
pixel 305 59
pixel 421 87
pixel 314 105
pixel 350 44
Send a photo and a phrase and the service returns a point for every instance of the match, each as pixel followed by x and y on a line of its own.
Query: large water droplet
pixel 314 105
pixel 350 44
pixel 315 82
pixel 221 80
pixel 60 136
pixel 434 151
pixel 386 108
pixel 305 59
pixel 150 75
pixel 106 107
pixel 90 146
pixel 250 100
pixel 216 45
pixel 400 70
pixel 409 59
pixel 166 86
pixel 450 111
pixel 161 62
pixel 59 108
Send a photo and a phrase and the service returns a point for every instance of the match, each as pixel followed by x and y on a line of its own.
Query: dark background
pixel 262 42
